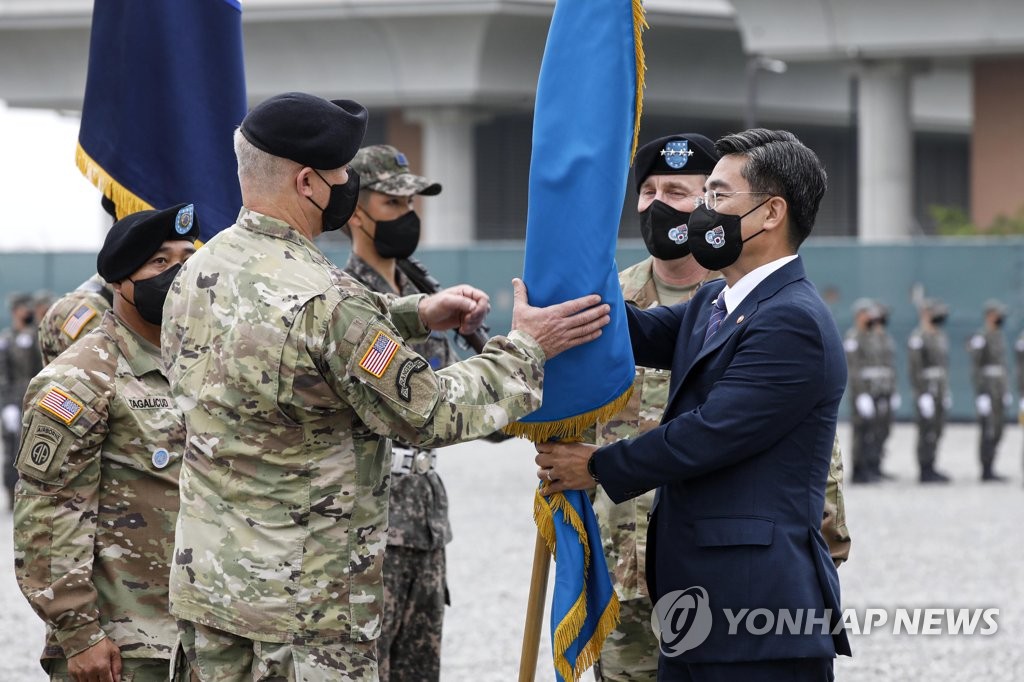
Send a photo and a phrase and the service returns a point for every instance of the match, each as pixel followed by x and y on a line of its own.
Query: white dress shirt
pixel 735 295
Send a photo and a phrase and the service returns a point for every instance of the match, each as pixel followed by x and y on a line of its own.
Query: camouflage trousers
pixel 132 670
pixel 210 655
pixel 409 647
pixel 630 653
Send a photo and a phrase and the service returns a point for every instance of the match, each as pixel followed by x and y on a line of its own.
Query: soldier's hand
pixel 561 326
pixel 99 663
pixel 462 307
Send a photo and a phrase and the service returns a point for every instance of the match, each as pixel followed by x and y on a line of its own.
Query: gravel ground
pixel 914 547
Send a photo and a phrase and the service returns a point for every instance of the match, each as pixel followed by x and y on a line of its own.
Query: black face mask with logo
pixel 396 238
pixel 151 293
pixel 342 202
pixel 665 231
pixel 716 239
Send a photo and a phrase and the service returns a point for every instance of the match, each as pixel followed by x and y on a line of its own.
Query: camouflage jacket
pixel 96 504
pixel 928 358
pixel 72 316
pixel 19 362
pixel 418 511
pixel 1018 349
pixel 293 377
pixel 869 363
pixel 989 374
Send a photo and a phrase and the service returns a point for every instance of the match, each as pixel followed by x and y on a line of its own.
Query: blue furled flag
pixel 586 121
pixel 165 92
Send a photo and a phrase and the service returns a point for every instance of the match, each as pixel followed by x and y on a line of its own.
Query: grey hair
pixel 778 163
pixel 258 171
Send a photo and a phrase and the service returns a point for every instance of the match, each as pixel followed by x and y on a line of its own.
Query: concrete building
pixel 452 83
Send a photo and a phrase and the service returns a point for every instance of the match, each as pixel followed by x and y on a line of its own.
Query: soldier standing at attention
pixel 887 398
pixel 19 362
pixel 862 362
pixel 928 355
pixel 102 444
pixel 383 228
pixel 296 378
pixel 669 174
pixel 989 375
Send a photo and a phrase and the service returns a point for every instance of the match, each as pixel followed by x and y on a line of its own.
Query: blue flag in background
pixel 586 120
pixel 165 92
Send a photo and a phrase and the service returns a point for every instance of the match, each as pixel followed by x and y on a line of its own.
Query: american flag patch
pixel 76 320
pixel 381 352
pixel 61 405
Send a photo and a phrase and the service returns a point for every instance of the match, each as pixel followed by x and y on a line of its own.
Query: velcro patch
pixel 405 372
pixel 61 405
pixel 380 354
pixel 77 320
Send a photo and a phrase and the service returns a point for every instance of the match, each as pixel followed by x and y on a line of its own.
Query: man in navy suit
pixel 742 454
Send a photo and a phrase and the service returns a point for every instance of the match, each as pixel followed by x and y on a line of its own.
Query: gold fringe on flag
pixel 570 428
pixel 125 201
pixel 639 26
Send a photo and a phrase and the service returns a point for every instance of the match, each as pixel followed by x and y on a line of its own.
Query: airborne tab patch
pixel 77 320
pixel 379 356
pixel 405 372
pixel 61 405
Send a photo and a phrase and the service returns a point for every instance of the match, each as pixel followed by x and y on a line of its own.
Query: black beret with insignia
pixel 134 238
pixel 682 154
pixel 309 130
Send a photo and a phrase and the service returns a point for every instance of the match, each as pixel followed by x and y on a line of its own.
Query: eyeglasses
pixel 711 197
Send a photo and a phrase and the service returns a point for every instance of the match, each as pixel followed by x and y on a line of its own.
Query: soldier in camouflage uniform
pixel 98 497
pixel 990 377
pixel 19 362
pixel 887 398
pixel 868 404
pixel 295 378
pixel 668 179
pixel 928 356
pixel 385 227
pixel 74 315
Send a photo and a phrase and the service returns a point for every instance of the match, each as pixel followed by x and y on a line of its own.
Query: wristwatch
pixel 590 467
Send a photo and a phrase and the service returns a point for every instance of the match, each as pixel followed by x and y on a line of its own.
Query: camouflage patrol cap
pixel 934 306
pixel 993 305
pixel 864 305
pixel 19 299
pixel 384 169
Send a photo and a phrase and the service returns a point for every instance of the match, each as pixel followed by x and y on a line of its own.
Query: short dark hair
pixel 778 163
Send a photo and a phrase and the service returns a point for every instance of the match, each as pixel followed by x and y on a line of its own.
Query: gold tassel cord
pixel 639 26
pixel 125 201
pixel 571 428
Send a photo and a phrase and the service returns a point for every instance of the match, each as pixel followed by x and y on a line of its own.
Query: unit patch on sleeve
pixel 380 354
pixel 405 372
pixel 61 405
pixel 77 320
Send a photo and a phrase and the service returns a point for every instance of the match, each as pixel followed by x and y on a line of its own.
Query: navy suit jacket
pixel 740 460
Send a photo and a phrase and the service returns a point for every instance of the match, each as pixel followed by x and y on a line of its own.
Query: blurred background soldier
pixel 384 228
pixel 19 362
pixel 74 315
pixel 863 361
pixel 888 398
pixel 989 375
pixel 928 356
pixel 98 496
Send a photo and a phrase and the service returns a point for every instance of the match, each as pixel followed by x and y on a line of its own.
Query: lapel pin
pixel 739 319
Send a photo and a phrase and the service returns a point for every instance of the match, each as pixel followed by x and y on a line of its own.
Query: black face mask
pixel 396 238
pixel 998 322
pixel 938 320
pixel 28 318
pixel 664 231
pixel 716 239
pixel 342 202
pixel 151 293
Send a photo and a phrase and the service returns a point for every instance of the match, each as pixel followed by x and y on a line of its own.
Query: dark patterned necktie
pixel 716 318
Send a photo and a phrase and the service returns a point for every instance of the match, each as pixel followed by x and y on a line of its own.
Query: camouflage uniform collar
pixel 364 272
pixel 272 227
pixel 142 356
pixel 639 288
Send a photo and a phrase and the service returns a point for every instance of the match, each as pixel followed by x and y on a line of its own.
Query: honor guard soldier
pixel 19 362
pixel 990 377
pixel 297 378
pixel 98 496
pixel 863 362
pixel 928 354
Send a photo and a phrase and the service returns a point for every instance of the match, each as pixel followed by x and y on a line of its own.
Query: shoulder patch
pixel 77 320
pixel 405 372
pixel 44 450
pixel 61 405
pixel 379 355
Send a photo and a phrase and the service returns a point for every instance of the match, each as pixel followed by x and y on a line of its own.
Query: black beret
pixel 682 154
pixel 136 237
pixel 307 129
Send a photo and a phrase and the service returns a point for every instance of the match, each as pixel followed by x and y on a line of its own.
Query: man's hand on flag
pixel 563 466
pixel 463 307
pixel 561 326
